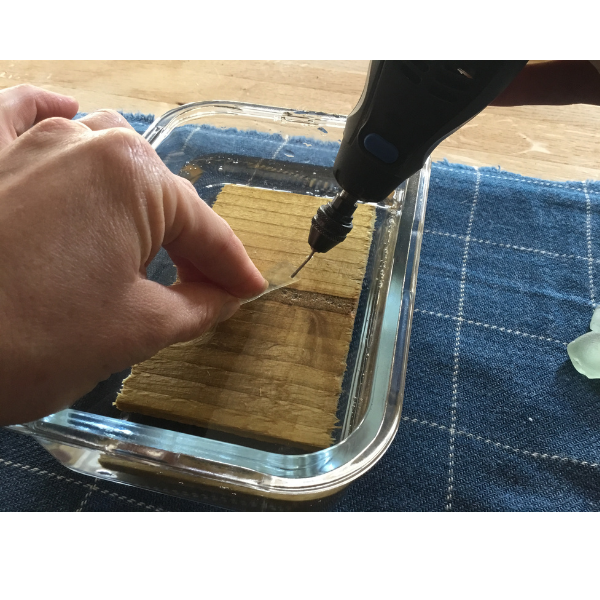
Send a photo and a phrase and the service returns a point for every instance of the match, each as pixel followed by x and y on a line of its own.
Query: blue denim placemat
pixel 495 417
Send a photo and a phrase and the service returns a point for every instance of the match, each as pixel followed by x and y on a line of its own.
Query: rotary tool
pixel 406 109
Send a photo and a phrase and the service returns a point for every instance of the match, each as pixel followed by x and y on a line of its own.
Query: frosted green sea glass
pixel 595 324
pixel 584 353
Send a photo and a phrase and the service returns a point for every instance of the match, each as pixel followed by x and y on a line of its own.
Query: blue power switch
pixel 381 148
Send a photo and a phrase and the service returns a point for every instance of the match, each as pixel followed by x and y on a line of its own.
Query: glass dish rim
pixel 331 467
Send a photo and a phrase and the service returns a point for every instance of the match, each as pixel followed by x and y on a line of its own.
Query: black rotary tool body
pixel 406 109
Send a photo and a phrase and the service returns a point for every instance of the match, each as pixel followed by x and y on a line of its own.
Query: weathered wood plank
pixel 274 370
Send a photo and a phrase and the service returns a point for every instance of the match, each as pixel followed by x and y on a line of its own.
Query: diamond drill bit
pixel 302 265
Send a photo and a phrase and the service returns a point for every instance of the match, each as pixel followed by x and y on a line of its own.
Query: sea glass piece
pixel 584 353
pixel 278 277
pixel 595 324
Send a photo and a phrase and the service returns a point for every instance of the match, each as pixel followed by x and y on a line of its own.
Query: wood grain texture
pixel 274 370
pixel 552 142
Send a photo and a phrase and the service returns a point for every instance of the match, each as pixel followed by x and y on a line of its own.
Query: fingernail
pixel 228 310
pixel 266 286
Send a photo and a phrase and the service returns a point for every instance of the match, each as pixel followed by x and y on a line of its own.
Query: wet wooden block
pixel 274 370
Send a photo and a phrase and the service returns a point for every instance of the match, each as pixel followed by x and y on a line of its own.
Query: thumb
pixel 181 312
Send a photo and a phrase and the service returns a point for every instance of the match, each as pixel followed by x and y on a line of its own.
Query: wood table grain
pixel 560 143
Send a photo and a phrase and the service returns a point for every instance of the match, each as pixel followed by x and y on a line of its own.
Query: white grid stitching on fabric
pixel 488 326
pixel 459 322
pixel 93 487
pixel 480 438
pixel 532 181
pixel 511 246
pixel 285 141
pixel 453 431
pixel 588 236
pixel 37 471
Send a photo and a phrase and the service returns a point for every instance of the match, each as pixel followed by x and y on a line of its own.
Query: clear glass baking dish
pixel 213 144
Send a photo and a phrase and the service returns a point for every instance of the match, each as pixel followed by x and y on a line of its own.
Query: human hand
pixel 84 207
pixel 553 82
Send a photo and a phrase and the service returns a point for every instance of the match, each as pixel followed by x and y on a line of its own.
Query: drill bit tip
pixel 302 265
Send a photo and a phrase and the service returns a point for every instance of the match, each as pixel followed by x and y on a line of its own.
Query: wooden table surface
pixel 558 143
